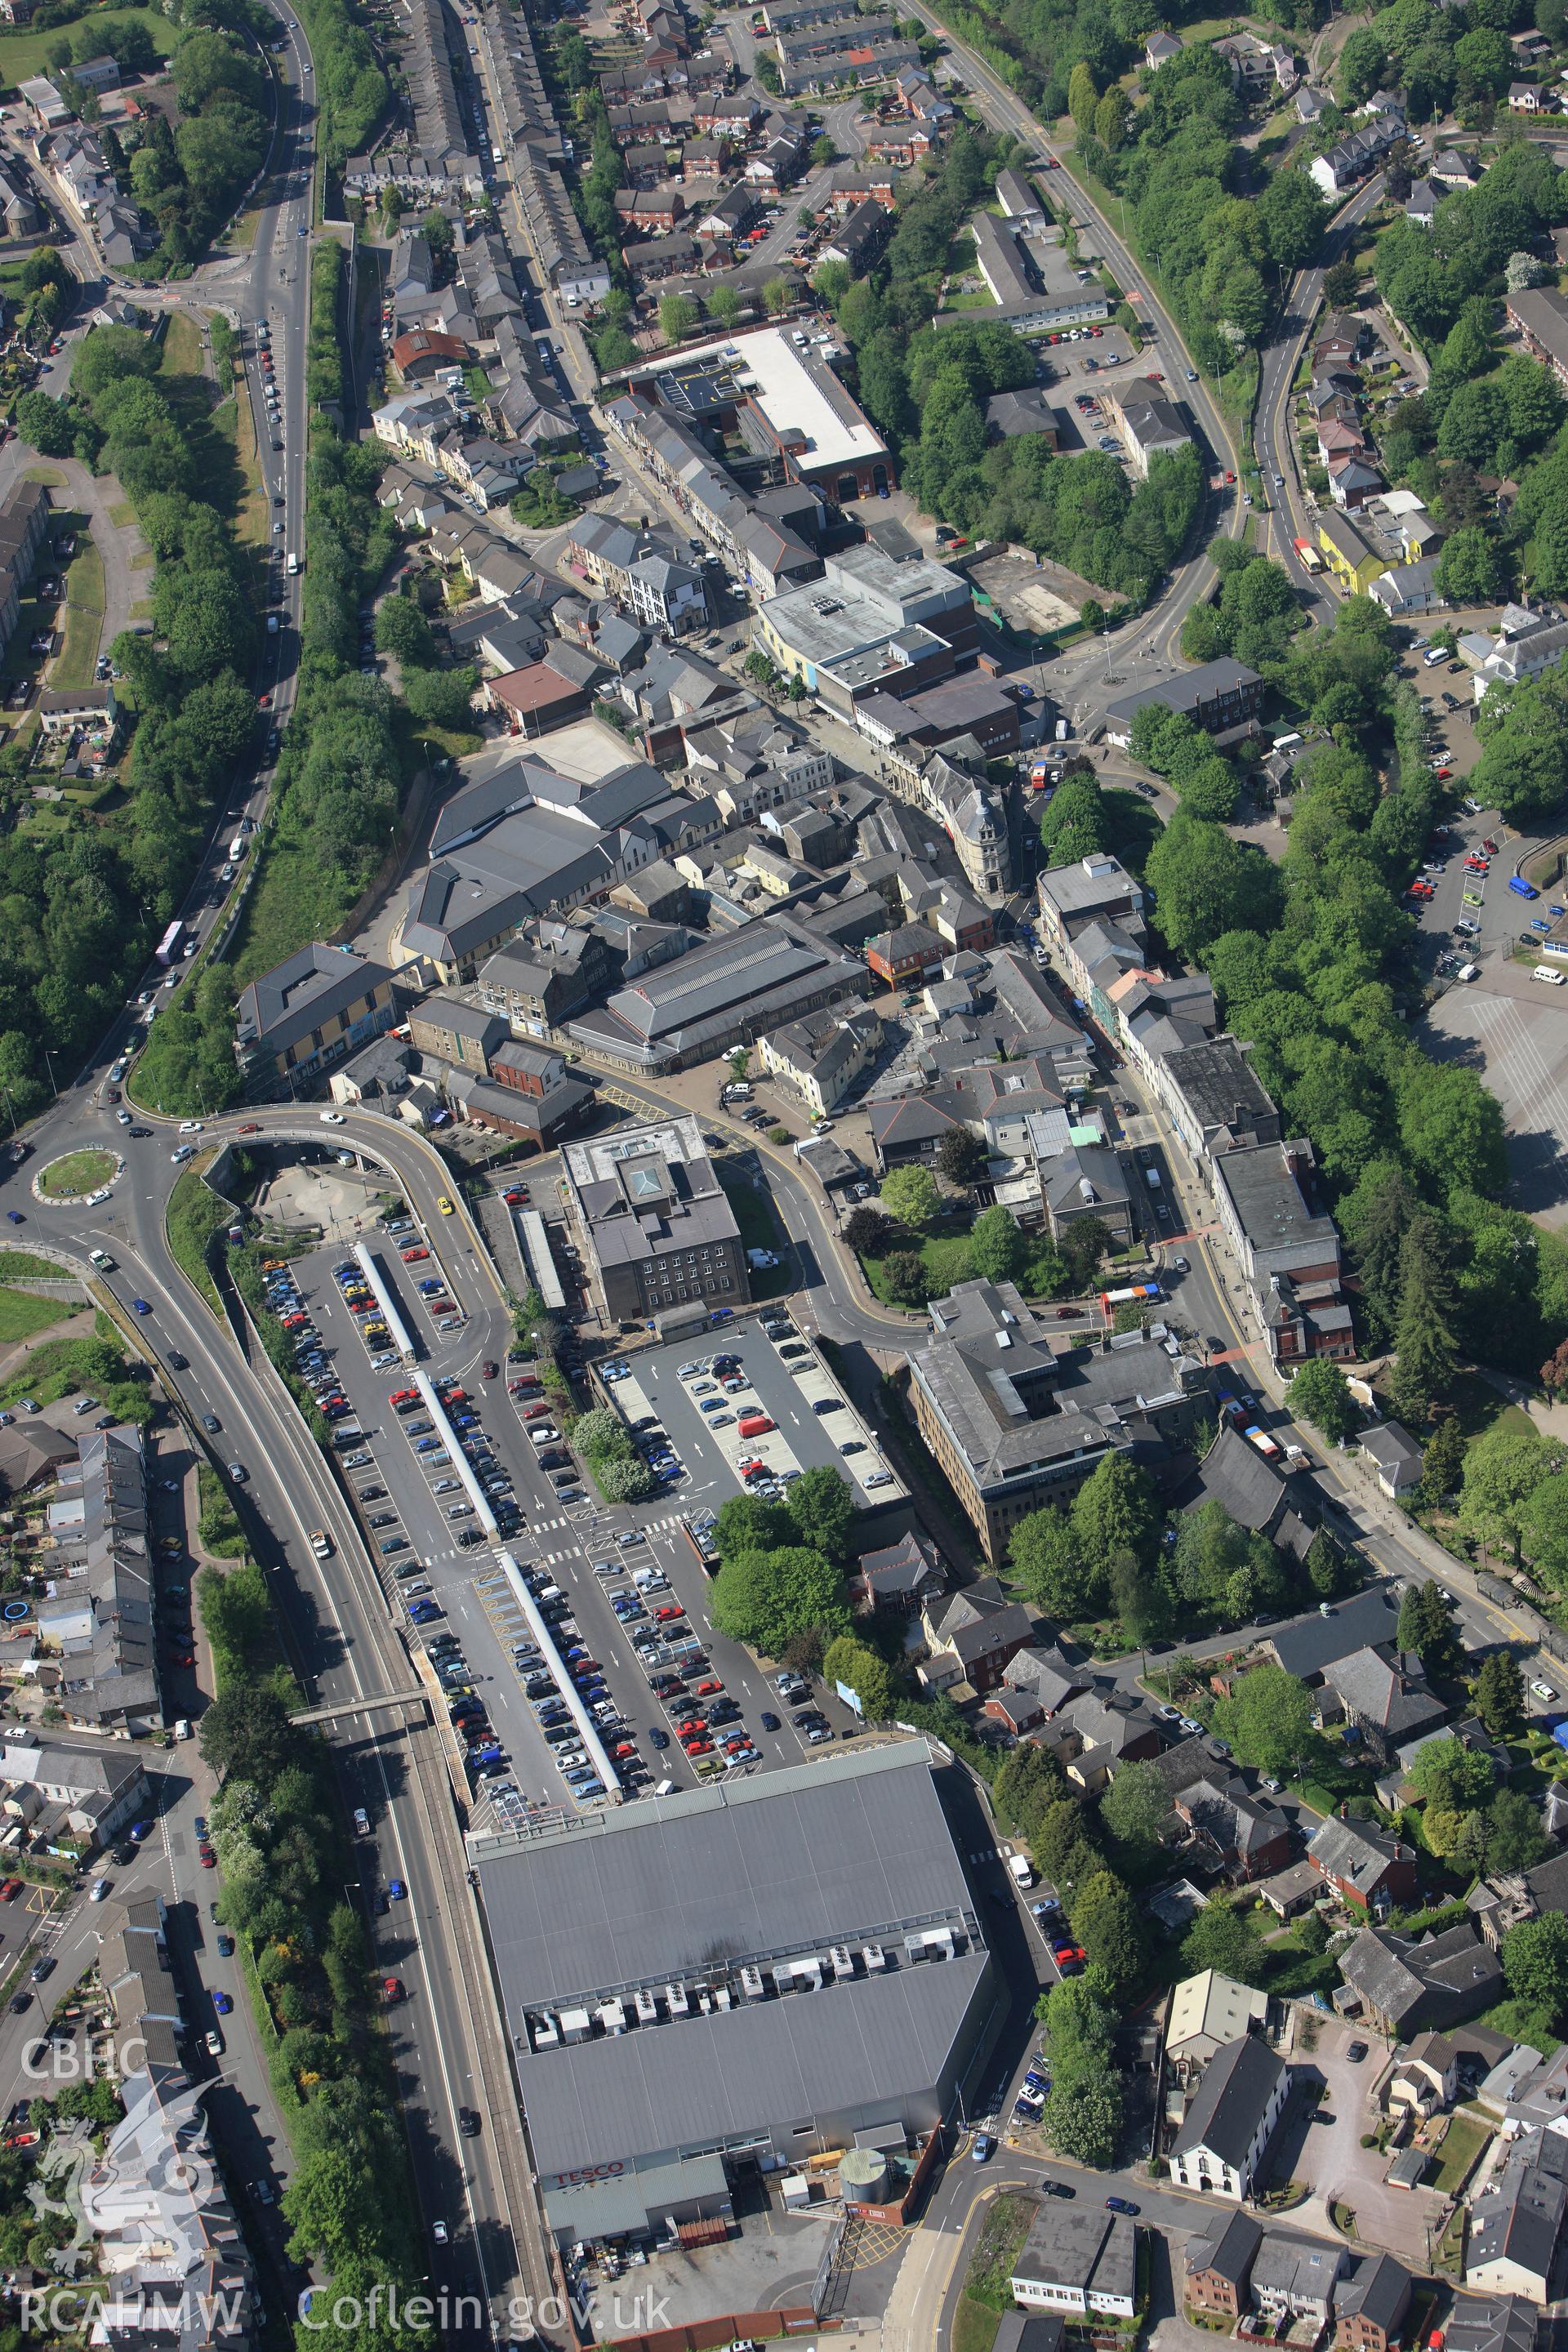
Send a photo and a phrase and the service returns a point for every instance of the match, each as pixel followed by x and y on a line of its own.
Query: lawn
pixel 974 2327
pixel 944 1255
pixel 22 54
pixel 76 1172
pixel 21 1315
pixel 182 346
pixel 22 1266
pixel 232 419
pixel 978 301
pixel 83 621
pixel 1480 1406
pixel 760 1227
pixel 1462 2143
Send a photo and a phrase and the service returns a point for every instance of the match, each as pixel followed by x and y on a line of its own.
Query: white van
pixel 237 846
pixel 293 563
pixel 1547 972
pixel 665 1788
pixel 1468 972
pixel 1433 655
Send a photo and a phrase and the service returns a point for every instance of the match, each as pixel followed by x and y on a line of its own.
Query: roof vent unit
pixel 723 1997
pixel 752 1984
pixel 842 1961
pixel 875 1958
pixel 612 2015
pixel 678 2000
pixel 576 2025
pixel 648 2007
pixel 915 1949
pixel 544 2032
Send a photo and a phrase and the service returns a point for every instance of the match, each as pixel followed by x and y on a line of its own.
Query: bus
pixel 169 945
pixel 1110 1300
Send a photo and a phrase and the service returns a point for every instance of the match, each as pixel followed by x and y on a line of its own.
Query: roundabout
pixel 77 1176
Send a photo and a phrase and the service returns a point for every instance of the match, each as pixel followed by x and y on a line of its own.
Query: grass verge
pixel 77 657
pixel 21 1315
pixel 997 2250
pixel 196 1218
pixel 76 1171
pixel 23 1265
pixel 24 53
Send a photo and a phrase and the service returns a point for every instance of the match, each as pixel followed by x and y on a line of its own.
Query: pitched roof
pixel 1232 2101
pixel 1228 2248
pixel 1356 1852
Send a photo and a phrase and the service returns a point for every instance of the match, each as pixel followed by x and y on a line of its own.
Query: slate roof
pixel 1380 1693
pixel 1310 1645
pixel 1357 1853
pixel 1521 2219
pixel 1231 2101
pixel 1228 2249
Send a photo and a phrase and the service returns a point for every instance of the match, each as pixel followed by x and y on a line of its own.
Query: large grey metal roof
pixel 818 1854
pixel 736 2071
pixel 849 1850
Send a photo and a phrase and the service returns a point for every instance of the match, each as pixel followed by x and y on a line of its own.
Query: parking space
pixel 752 1415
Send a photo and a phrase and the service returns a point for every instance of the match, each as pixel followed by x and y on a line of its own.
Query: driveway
pixel 1330 2156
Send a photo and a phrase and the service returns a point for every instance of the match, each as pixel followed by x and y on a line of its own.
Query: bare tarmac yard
pixel 1513 1030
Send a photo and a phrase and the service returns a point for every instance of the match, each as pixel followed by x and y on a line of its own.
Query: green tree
pixel 1424 1334
pixel 863 1672
pixel 1108 1927
pixel 911 1194
pixel 1320 1395
pixel 1082 2116
pixel 820 1504
pixel 904 1271
pixel 1443 1461
pixel 1446 1772
pixel 676 318
pixel 1535 1962
pixel 402 630
pixel 1134 1806
pixel 1116 1511
pixel 1268 1720
pixel 245 1734
pixel 1503 1469
pixel 1219 1937
pixel 1077 821
pixel 46 425
pixel 1083 99
pixel 777 296
pixel 996 1244
pixel 1514 1837
pixel 723 306
pixel 766 1598
pixel 1498 1695
pixel 960 1156
pixel 1423 1625
pixel 1050 1569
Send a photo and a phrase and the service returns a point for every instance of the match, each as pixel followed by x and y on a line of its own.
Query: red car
pixel 710 1689
pixel 181 1658
pixel 534 1411
pixel 625 1748
pixel 413 1256
pixel 403 1396
pixel 11 1889
pixel 515 1197
pixel 1490 847
pixel 671 1609
pixel 209 1858
pixel 1441 773
pixel 697 1746
pixel 251 1127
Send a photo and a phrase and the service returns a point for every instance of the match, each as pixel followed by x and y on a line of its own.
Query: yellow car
pixel 444 1204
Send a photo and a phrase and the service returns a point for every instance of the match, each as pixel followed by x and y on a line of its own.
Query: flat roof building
pixel 868 626
pixel 1014 1423
pixel 657 1225
pixel 736 1975
pixel 1038 289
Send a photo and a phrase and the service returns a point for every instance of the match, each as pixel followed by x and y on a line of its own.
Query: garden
pixel 917 1240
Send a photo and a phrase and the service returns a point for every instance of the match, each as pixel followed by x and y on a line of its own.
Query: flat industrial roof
pixel 682 1890
pixel 794 393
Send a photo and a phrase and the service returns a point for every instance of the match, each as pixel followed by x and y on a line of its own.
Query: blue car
pixel 397 1889
pixel 222 2002
pixel 140 1306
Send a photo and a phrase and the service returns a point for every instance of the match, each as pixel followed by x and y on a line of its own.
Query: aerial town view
pixel 783 1333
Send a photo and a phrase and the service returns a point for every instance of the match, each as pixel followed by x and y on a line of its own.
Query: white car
pixel 189 1127
pixel 1544 1692
pixel 333 1119
pixel 214 2042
